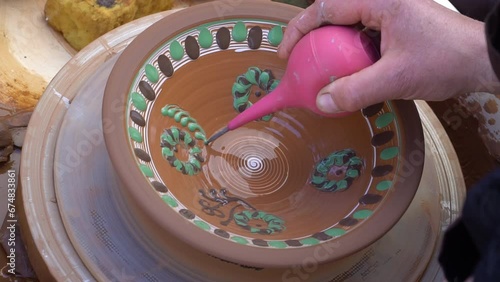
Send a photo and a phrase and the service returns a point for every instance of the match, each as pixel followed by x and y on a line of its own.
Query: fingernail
pixel 326 103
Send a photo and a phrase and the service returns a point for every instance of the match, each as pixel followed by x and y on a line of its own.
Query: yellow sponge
pixel 83 21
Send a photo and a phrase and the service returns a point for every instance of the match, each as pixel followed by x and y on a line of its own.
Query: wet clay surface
pixel 262 184
pixel 268 164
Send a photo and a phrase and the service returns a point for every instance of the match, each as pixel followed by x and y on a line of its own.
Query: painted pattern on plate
pixel 335 172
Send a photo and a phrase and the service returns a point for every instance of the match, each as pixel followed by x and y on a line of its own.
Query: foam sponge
pixel 83 21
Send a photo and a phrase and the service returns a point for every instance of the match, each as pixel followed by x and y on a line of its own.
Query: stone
pixel 20 119
pixel 18 135
pixel 5 153
pixel 5 135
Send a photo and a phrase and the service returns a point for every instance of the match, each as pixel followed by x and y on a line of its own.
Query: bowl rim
pixel 114 124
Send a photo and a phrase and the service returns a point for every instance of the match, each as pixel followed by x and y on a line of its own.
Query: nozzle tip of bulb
pixel 216 135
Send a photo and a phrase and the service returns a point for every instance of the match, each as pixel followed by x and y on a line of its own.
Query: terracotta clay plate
pixel 267 194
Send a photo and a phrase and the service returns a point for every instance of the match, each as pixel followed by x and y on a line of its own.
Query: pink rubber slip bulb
pixel 321 56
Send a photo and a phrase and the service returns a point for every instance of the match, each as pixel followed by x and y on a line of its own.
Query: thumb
pixel 377 83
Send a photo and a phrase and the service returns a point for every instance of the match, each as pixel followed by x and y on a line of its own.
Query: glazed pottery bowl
pixel 286 188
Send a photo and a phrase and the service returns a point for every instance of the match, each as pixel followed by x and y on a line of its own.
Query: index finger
pixel 339 12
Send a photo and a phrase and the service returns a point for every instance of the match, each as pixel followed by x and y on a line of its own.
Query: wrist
pixel 493 38
pixel 488 61
pixel 463 50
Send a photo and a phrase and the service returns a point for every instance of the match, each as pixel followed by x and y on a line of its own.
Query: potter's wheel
pixel 85 234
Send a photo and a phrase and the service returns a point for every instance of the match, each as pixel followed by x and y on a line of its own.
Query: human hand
pixel 428 52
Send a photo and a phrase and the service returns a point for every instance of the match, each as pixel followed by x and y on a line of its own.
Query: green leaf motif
pixel 176 50
pixel 205 38
pixel 202 224
pixel 239 32
pixel 384 120
pixel 135 134
pixel 138 101
pixel 384 185
pixel 275 35
pixel 389 153
pixel 146 170
pixel 274 223
pixel 170 201
pixel 152 73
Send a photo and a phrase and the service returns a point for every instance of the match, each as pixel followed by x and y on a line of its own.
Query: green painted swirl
pixel 242 88
pixel 342 159
pixel 173 137
pixel 183 117
pixel 274 223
